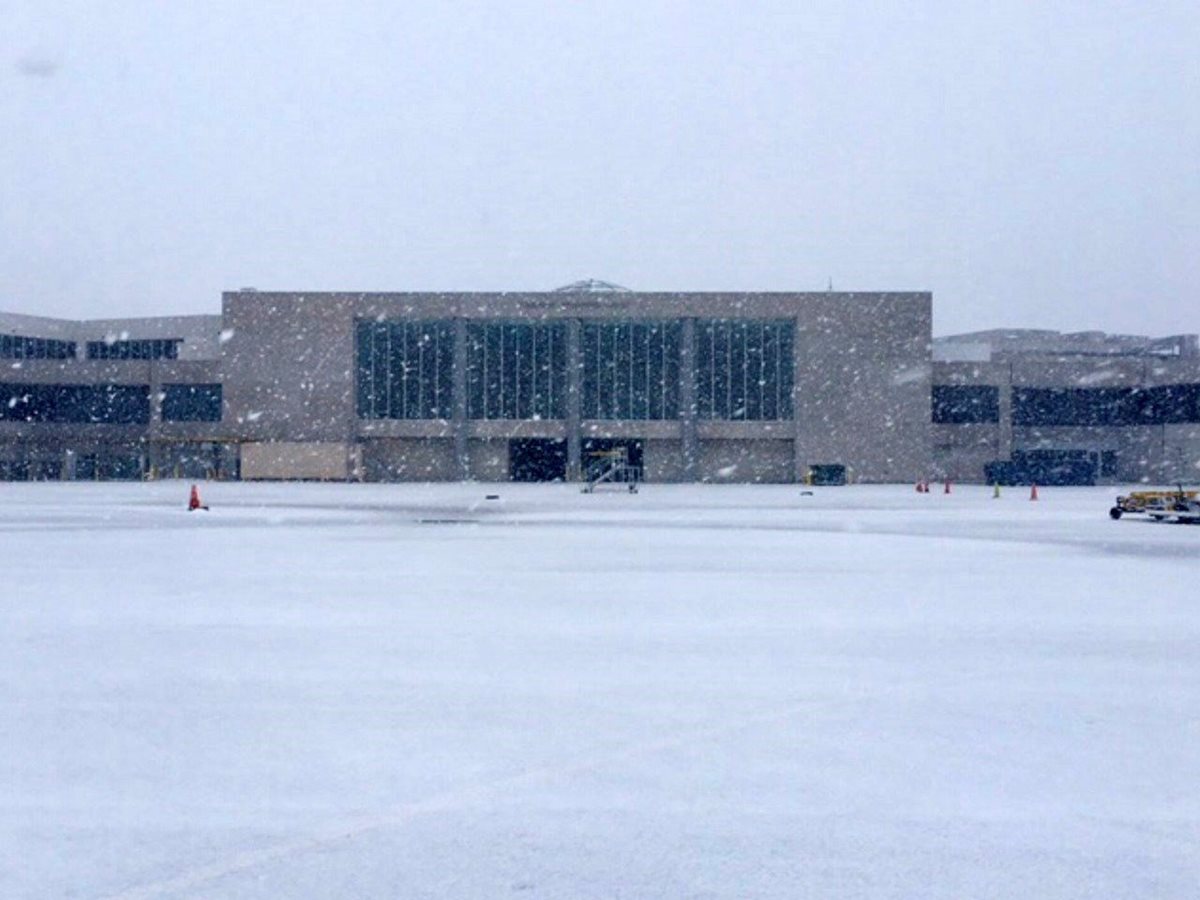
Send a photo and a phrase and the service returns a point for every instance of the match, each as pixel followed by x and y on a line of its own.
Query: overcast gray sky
pixel 1033 164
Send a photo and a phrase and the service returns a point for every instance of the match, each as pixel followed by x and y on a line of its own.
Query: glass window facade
pixel 1166 404
pixel 965 404
pixel 151 348
pixel 100 404
pixel 744 369
pixel 15 346
pixel 1161 405
pixel 405 370
pixel 516 371
pixel 630 370
pixel 1069 406
pixel 191 403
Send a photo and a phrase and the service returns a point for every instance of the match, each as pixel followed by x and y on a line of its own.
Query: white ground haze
pixel 344 690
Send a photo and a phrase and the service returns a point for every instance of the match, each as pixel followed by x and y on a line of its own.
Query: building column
pixel 801 441
pixel 227 456
pixel 462 454
pixel 574 401
pixel 1004 432
pixel 689 442
pixel 150 458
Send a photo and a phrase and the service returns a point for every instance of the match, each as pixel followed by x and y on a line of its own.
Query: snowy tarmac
pixel 411 691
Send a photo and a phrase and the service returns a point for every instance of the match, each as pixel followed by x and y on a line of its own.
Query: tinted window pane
pixel 191 403
pixel 402 368
pixel 149 348
pixel 965 404
pixel 1073 406
pixel 19 347
pixel 744 369
pixel 516 371
pixel 630 370
pixel 107 404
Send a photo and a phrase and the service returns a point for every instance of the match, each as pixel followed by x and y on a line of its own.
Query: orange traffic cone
pixel 1033 492
pixel 194 500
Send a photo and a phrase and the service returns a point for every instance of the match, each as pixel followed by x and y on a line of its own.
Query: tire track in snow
pixel 330 835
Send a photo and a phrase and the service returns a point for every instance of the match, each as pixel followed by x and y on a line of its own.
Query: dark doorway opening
pixel 537 459
pixel 828 474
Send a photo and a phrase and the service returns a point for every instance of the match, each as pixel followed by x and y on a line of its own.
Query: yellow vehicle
pixel 1180 505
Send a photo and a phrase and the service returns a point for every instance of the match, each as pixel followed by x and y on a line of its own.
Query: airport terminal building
pixel 739 387
pixel 698 386
pixel 1023 406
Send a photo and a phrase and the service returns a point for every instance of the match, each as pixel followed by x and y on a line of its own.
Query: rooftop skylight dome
pixel 592 286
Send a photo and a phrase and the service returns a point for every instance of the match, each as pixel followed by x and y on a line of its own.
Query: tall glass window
pixel 149 348
pixel 744 369
pixel 516 370
pixel 1106 406
pixel 965 404
pixel 191 403
pixel 14 346
pixel 405 369
pixel 630 370
pixel 98 404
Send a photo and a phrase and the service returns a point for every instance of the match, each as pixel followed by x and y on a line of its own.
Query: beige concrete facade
pixel 286 364
pixel 862 374
pixel 860 389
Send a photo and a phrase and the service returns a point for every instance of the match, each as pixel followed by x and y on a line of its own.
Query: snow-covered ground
pixel 411 691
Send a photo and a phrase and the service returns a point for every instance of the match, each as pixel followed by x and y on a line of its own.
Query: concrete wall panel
pixel 747 462
pixel 285 460
pixel 488 460
pixel 662 461
pixel 409 459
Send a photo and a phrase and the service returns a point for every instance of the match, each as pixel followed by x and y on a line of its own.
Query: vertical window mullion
pixel 604 397
pixel 601 370
pixel 503 371
pixel 391 371
pixel 380 373
pixel 411 341
pixel 551 356
pixel 709 370
pixel 760 385
pixel 553 339
pixel 485 405
pixel 778 353
pixel 664 373
pixel 715 409
pixel 535 408
pixel 485 338
pixel 728 371
pixel 425 403
pixel 647 348
pixel 744 404
pixel 405 331
pixel 517 332
pixel 395 369
pixel 629 379
pixel 599 384
pixel 422 407
pixel 435 402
